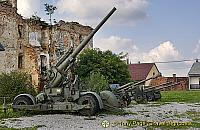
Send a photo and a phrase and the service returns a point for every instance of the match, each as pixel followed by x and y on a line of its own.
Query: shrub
pixel 96 82
pixel 14 83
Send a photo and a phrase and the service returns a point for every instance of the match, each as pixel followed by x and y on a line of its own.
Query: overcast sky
pixel 150 31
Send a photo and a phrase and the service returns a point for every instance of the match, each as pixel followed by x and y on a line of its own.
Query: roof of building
pixel 195 69
pixel 1 47
pixel 140 71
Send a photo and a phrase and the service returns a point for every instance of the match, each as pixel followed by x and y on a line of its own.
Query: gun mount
pixel 55 75
pixel 140 93
pixel 62 91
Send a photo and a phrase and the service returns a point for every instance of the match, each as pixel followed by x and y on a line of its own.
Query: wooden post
pixel 4 105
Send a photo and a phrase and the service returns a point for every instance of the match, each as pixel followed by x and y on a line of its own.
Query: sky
pixel 148 30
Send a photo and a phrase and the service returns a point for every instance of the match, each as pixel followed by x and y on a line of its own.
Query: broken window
pixel 20 30
pixel 20 61
pixel 199 82
pixel 43 66
pixel 35 39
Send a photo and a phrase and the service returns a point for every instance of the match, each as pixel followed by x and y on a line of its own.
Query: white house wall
pixel 153 71
pixel 194 80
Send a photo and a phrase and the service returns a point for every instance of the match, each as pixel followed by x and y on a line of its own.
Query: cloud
pixel 197 47
pixel 128 11
pixel 116 44
pixel 165 51
pixel 27 7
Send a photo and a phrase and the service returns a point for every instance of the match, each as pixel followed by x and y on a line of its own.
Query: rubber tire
pixel 150 97
pixel 22 99
pixel 94 103
pixel 158 94
pixel 128 101
pixel 139 98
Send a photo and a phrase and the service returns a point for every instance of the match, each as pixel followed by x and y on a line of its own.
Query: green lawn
pixel 180 96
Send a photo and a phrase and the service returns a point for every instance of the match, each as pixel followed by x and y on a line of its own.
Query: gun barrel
pixel 131 84
pixel 160 88
pixel 68 60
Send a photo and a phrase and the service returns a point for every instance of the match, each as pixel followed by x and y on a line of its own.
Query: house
pixel 194 76
pixel 172 82
pixel 32 45
pixel 142 71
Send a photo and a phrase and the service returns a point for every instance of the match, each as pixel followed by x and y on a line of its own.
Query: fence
pixel 5 106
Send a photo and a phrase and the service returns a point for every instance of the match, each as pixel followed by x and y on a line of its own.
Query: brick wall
pixel 183 82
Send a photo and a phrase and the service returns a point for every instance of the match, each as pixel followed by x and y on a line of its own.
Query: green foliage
pixel 15 83
pixel 49 9
pixel 35 17
pixel 95 82
pixel 106 63
pixel 180 96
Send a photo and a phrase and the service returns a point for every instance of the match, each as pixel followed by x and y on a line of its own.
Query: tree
pixel 15 83
pixel 106 63
pixel 50 10
pixel 96 82
pixel 35 17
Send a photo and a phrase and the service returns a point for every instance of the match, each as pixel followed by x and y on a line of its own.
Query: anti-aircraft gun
pixel 136 91
pixel 62 92
pixel 139 93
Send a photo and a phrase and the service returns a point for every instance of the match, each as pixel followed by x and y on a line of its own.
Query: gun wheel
pixel 150 97
pixel 157 95
pixel 94 105
pixel 22 100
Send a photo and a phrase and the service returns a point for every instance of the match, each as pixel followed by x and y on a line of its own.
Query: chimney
pixel 174 78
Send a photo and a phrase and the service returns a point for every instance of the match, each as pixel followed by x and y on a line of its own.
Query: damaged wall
pixel 9 21
pixel 33 45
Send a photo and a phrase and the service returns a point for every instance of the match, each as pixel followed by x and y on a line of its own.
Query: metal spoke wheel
pixel 157 95
pixel 93 103
pixel 22 100
pixel 150 97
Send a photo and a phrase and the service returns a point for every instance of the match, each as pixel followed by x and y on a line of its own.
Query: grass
pixel 195 116
pixel 180 96
pixel 11 114
pixel 28 128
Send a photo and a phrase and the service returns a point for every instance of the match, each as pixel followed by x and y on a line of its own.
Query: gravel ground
pixel 150 112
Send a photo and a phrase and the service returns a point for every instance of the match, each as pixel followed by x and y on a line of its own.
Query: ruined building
pixel 32 45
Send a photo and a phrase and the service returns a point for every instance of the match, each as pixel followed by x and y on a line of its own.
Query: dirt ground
pixel 139 117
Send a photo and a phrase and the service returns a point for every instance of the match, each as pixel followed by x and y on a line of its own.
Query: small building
pixel 142 71
pixel 174 82
pixel 194 76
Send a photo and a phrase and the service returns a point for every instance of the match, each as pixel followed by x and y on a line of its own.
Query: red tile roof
pixel 140 71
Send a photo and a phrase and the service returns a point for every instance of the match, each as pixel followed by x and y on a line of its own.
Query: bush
pixel 95 82
pixel 106 63
pixel 15 83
